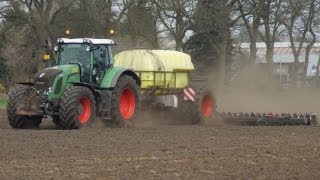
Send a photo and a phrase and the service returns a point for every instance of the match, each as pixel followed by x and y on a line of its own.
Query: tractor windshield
pixel 74 53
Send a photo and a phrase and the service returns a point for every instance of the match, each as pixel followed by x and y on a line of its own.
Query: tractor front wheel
pixel 77 108
pixel 15 97
pixel 125 102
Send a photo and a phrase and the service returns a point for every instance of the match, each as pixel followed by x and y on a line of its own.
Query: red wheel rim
pixel 84 110
pixel 207 106
pixel 127 104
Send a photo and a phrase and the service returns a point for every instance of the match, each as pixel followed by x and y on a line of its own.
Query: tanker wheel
pixel 77 108
pixel 20 121
pixel 125 102
pixel 201 110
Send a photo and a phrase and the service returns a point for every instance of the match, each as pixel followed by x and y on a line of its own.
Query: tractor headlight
pixel 60 40
pixel 47 92
pixel 87 41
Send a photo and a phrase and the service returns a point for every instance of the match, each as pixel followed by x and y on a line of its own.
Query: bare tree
pixel 88 18
pixel 298 25
pixel 121 8
pixel 270 12
pixel 38 15
pixel 212 24
pixel 313 12
pixel 31 21
pixel 141 25
pixel 249 12
pixel 176 16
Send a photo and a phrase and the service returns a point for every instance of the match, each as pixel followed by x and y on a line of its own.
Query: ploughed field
pixel 160 150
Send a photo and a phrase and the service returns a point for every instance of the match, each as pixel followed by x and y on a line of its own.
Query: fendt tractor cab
pixel 83 84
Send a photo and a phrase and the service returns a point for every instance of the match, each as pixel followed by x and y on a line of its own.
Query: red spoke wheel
pixel 207 106
pixel 84 110
pixel 199 111
pixel 77 108
pixel 127 104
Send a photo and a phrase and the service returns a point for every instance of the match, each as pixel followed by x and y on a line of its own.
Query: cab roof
pixel 86 40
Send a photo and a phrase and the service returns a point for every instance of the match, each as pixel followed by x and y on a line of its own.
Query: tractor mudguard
pixel 87 85
pixel 111 77
pixel 102 96
pixel 93 88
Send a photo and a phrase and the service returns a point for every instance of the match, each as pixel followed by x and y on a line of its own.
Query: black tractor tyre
pixel 77 108
pixel 57 122
pixel 199 111
pixel 125 102
pixel 20 121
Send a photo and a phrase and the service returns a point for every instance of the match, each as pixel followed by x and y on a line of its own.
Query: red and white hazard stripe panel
pixel 189 94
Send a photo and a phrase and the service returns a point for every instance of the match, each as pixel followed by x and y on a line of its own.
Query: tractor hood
pixel 44 79
pixel 47 78
pixel 67 69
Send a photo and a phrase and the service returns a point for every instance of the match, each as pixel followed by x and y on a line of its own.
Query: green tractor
pixel 83 85
pixel 88 82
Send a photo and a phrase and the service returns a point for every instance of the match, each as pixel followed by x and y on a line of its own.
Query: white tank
pixel 157 68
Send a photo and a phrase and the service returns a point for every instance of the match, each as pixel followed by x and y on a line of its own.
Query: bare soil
pixel 160 151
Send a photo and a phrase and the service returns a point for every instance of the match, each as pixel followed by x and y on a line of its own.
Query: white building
pixel 283 57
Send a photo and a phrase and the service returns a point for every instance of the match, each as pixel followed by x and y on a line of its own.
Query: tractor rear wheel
pixel 77 108
pixel 57 122
pixel 125 102
pixel 15 97
pixel 199 111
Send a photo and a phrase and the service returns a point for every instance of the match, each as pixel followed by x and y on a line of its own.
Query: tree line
pixel 269 21
pixel 206 29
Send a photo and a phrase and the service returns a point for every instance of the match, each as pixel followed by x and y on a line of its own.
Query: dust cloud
pixel 251 92
pixel 154 117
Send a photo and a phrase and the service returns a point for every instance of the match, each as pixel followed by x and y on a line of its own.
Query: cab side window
pixel 100 62
pixel 100 57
